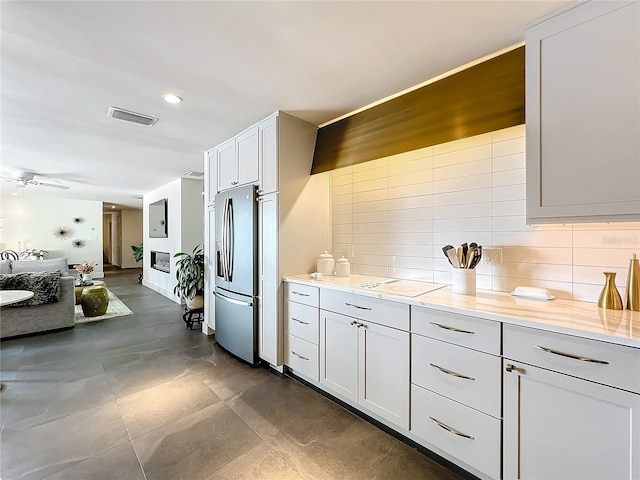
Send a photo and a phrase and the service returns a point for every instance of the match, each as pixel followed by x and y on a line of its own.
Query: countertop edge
pixel 429 300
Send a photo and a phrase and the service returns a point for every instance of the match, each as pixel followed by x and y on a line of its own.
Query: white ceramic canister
pixel 325 264
pixel 464 281
pixel 343 267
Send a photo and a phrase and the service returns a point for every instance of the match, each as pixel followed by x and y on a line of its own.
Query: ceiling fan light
pixel 171 98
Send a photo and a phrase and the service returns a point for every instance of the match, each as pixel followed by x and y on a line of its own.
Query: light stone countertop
pixel 581 319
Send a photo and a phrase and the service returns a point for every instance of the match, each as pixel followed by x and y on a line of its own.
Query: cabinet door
pixel 210 268
pixel 211 176
pixel 227 165
pixel 269 155
pixel 269 322
pixel 247 157
pixel 557 426
pixel 339 354
pixel 583 92
pixel 384 372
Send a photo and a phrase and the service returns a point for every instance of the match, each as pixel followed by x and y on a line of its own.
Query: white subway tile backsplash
pixel 392 216
pixel 508 133
pixel 462 144
pixel 460 184
pixel 509 147
pixel 464 157
pixel 413 166
pixel 509 177
pixel 509 208
pixel 370 206
pixel 462 211
pixel 415 190
pixel 509 162
pixel 420 201
pixel 509 192
pixel 471 196
pixel 462 170
pixel 419 176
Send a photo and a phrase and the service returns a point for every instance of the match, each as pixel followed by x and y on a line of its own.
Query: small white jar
pixel 343 267
pixel 325 264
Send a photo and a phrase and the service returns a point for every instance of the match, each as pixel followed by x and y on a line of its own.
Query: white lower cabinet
pixel 463 432
pixel 301 357
pixel 366 363
pixel 563 427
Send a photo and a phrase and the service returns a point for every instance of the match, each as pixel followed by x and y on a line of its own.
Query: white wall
pixel 185 224
pixel 395 214
pixel 31 221
pixel 131 235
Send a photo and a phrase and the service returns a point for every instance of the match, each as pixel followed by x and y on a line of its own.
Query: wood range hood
pixel 483 98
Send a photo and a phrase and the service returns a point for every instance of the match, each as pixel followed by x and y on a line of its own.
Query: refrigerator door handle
pixel 231 242
pixel 223 253
pixel 232 300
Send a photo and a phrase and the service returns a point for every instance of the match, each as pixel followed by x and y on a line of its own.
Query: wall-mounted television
pixel 158 219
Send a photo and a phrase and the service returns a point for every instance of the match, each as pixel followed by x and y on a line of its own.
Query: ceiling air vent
pixel 126 115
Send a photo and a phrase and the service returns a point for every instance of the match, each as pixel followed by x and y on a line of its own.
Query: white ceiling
pixel 64 63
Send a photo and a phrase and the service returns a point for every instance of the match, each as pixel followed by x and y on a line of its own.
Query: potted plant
pixel 190 277
pixel 138 255
pixel 85 269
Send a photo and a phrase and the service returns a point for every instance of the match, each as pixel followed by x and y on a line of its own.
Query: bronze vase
pixel 609 296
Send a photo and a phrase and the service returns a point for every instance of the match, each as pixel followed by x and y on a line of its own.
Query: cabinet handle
pixel 509 367
pixel 301 294
pixel 450 429
pixel 354 323
pixel 234 183
pixel 299 321
pixel 439 325
pixel 451 372
pixel 356 306
pixel 299 356
pixel 569 355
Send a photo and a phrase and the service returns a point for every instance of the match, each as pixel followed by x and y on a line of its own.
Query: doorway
pixel 112 239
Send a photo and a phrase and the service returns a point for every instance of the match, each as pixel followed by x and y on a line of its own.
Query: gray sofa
pixel 23 319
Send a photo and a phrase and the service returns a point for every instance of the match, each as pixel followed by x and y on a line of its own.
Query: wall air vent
pixel 191 173
pixel 126 115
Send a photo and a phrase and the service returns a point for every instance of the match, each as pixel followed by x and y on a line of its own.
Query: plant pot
pixel 195 302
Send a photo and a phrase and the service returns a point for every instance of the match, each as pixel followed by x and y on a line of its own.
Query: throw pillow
pixel 5 266
pixel 44 285
pixel 24 266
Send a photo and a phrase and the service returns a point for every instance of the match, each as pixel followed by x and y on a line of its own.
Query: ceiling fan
pixel 24 179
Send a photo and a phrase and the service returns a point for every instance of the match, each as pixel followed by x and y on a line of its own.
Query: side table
pixel 189 314
pixel 82 287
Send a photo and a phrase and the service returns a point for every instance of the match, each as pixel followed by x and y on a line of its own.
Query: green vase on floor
pixel 94 301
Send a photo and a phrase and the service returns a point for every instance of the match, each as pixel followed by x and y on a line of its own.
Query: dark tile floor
pixel 142 397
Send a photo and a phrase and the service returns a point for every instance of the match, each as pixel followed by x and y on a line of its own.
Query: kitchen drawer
pixel 302 321
pixel 301 357
pixel 602 362
pixel 383 312
pixel 470 332
pixel 306 294
pixel 467 376
pixel 464 433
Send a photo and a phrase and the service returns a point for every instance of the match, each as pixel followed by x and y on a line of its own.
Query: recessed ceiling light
pixel 171 98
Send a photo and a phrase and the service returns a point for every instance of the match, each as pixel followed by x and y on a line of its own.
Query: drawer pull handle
pixel 451 372
pixel 450 429
pixel 299 321
pixel 439 325
pixel 299 356
pixel 301 294
pixel 356 306
pixel 569 355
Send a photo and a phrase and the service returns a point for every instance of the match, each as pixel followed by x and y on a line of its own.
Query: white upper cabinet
pixel 583 114
pixel 268 147
pixel 236 161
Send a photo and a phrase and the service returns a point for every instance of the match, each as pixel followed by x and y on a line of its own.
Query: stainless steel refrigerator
pixel 236 279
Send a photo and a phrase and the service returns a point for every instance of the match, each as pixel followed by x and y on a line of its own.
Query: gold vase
pixel 609 296
pixel 633 285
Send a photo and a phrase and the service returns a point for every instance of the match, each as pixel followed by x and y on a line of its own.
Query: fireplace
pixel 160 261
